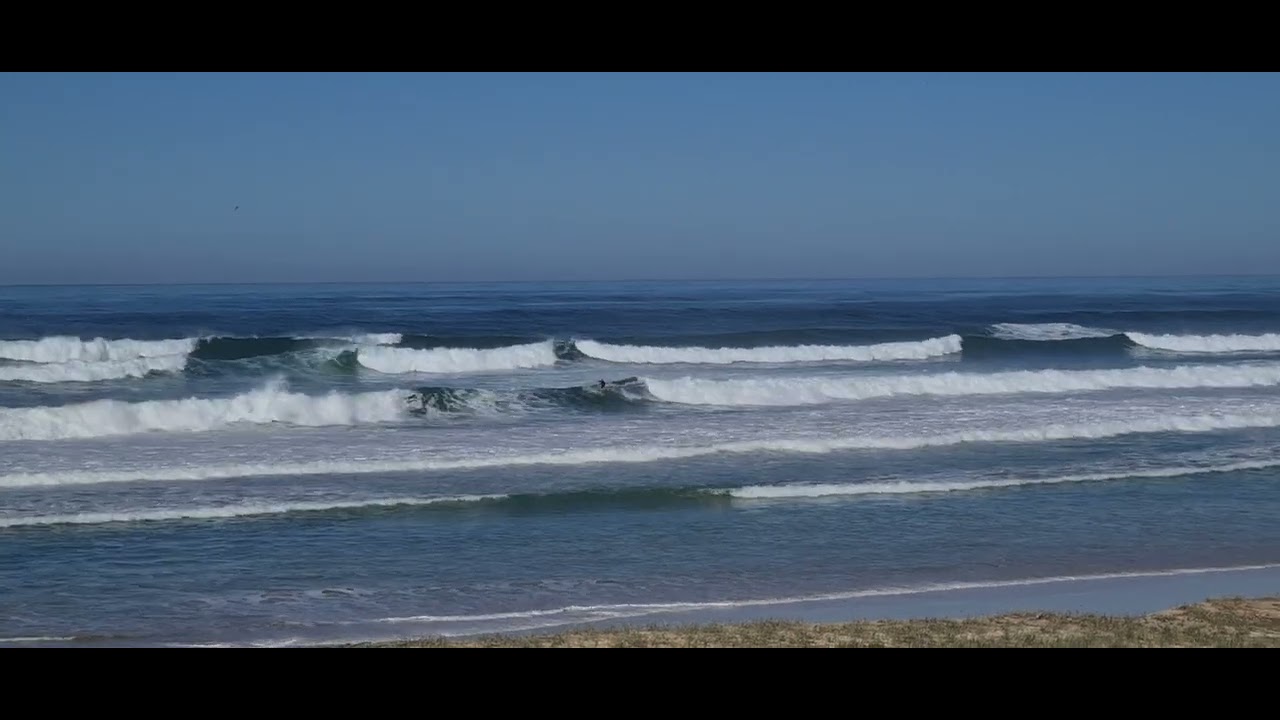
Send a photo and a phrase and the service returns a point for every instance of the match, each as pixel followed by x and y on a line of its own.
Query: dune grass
pixel 1226 622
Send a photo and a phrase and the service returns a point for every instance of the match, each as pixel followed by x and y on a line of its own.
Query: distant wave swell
pixel 71 359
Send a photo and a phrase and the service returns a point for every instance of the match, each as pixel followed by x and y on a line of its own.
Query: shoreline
pixel 1114 600
pixel 1223 606
pixel 1216 622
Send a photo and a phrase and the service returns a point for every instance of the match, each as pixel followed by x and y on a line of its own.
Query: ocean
pixel 293 464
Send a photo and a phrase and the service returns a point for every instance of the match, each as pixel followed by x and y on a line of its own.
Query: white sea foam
pixel 61 349
pixel 378 338
pixel 82 371
pixel 658 453
pixel 1047 331
pixel 68 349
pixel 359 339
pixel 762 492
pixel 229 511
pixel 1227 343
pixel 1209 343
pixel 642 354
pixel 457 360
pixel 819 390
pixel 270 404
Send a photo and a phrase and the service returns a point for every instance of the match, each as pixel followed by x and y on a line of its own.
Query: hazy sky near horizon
pixel 353 177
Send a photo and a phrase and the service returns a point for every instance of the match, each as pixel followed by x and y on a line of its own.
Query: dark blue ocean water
pixel 236 464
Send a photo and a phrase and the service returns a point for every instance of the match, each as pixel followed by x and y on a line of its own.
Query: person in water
pixel 601 384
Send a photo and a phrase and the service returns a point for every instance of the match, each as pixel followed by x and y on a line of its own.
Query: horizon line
pixel 646 280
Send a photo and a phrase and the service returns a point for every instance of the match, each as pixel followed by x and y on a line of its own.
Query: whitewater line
pixel 230 511
pixel 769 492
pixel 749 492
pixel 394 361
pixel 817 390
pixel 642 354
pixel 648 454
pixel 270 404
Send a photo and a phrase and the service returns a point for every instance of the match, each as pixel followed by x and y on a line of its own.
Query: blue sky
pixel 355 177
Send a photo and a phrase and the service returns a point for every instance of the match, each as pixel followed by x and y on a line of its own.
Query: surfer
pixel 602 384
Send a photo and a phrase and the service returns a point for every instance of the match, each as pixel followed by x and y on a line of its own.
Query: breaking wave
pixel 818 390
pixel 71 359
pixel 1209 343
pixel 62 349
pixel 1041 332
pixel 394 361
pixel 241 348
pixel 1100 338
pixel 84 371
pixel 646 454
pixel 270 404
pixel 632 392
pixel 395 353
pixel 640 354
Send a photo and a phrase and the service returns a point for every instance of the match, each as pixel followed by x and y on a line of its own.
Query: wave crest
pixel 819 390
pixel 642 354
pixel 1047 331
pixel 61 349
pixel 270 404
pixel 1209 343
pixel 395 361
pixel 82 371
pixel 648 454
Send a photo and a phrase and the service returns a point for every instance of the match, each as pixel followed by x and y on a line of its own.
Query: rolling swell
pixel 633 498
pixel 989 347
pixel 515 504
pixel 479 342
pixel 237 348
pixel 783 391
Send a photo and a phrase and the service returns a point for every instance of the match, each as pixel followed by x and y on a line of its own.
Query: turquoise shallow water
pixel 280 463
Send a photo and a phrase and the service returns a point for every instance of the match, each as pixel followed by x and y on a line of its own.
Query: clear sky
pixel 352 177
